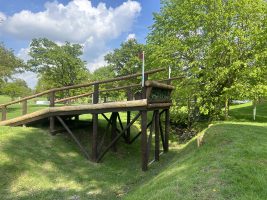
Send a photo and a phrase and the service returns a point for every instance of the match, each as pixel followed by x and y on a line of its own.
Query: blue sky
pixel 98 25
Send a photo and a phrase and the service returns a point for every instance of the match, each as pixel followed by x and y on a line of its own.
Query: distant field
pixel 244 112
pixel 15 110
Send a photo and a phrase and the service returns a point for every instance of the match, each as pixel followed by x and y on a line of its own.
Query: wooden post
pixel 167 129
pixel 52 119
pixel 144 88
pixel 24 107
pixel 144 140
pixel 157 135
pixel 114 129
pixel 94 138
pixel 95 123
pixel 128 132
pixel 4 111
pixel 96 93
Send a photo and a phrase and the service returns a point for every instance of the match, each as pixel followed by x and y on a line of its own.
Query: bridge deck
pixel 83 109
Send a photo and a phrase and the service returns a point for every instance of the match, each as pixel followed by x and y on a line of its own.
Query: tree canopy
pixel 57 65
pixel 126 59
pixel 218 45
pixel 9 63
pixel 16 88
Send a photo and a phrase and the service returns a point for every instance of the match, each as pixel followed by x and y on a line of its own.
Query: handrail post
pixel 24 107
pixel 4 111
pixel 96 93
pixel 144 88
pixel 52 119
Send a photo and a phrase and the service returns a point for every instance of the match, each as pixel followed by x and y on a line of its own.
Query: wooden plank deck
pixel 83 109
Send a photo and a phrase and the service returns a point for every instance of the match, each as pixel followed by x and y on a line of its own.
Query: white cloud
pixel 2 17
pixel 97 62
pixel 30 77
pixel 24 53
pixel 131 36
pixel 77 21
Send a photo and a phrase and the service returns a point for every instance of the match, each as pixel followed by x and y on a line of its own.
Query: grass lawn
pixel 231 164
pixel 16 109
pixel 244 112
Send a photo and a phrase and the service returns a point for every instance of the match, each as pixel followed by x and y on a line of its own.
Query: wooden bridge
pixel 155 96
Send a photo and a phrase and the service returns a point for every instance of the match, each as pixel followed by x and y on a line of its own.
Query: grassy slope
pixel 232 164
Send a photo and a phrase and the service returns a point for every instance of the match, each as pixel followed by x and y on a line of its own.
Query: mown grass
pixel 15 110
pixel 244 112
pixel 231 164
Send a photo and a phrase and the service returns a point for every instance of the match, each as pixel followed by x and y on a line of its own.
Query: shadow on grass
pixel 35 165
pixel 246 113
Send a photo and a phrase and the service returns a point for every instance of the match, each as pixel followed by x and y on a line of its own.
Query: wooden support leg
pixel 4 111
pixel 128 133
pixel 114 129
pixel 73 137
pixel 167 130
pixel 144 139
pixel 52 125
pixel 156 135
pixel 94 138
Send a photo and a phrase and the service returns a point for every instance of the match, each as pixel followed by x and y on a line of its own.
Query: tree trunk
pixel 226 108
pixel 254 110
pixel 188 113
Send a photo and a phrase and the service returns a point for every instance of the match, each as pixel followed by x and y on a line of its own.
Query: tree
pixel 17 88
pixel 57 65
pixel 125 60
pixel 215 44
pixel 102 73
pixel 9 64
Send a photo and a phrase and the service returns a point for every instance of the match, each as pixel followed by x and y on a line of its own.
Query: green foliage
pixel 103 73
pixel 179 115
pixel 57 65
pixel 9 63
pixel 218 45
pixel 126 59
pixel 17 88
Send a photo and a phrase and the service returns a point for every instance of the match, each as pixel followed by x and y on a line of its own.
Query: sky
pixel 100 26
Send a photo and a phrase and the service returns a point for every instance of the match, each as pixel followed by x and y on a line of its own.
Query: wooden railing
pixel 95 92
pixel 52 92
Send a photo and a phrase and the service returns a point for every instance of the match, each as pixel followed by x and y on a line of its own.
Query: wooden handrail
pixel 90 93
pixel 108 80
pixel 81 85
pixel 120 88
pixel 74 97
